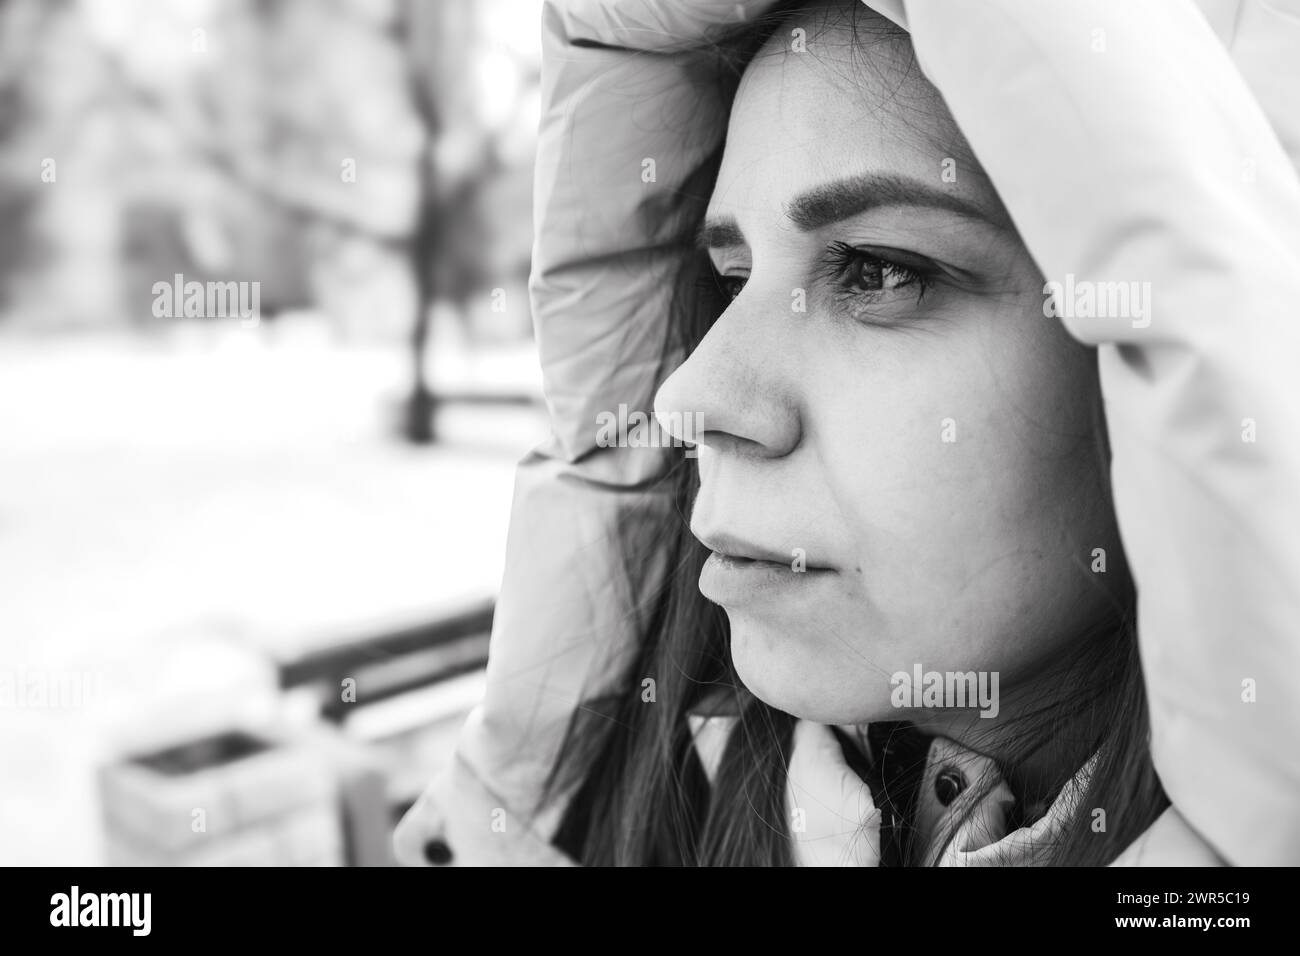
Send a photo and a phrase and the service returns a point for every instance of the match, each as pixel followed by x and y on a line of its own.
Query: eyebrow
pixel 851 196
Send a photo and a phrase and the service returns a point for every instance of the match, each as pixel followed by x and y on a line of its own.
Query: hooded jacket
pixel 1130 138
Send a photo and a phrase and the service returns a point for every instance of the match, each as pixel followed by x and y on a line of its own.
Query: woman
pixel 903 487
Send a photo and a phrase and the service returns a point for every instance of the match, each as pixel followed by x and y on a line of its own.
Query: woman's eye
pixel 718 291
pixel 859 271
pixel 853 274
pixel 730 286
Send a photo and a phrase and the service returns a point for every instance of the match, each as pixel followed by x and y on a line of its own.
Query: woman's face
pixel 883 402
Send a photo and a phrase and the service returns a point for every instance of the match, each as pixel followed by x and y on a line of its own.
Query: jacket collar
pixel 942 788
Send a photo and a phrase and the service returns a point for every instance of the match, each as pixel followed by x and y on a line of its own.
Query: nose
pixel 735 391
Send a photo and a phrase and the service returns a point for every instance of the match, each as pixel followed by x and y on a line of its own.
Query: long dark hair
pixel 639 796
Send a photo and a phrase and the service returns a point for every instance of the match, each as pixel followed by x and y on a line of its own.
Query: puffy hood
pixel 1169 155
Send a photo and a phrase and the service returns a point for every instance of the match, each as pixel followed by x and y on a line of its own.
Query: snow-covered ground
pixel 177 514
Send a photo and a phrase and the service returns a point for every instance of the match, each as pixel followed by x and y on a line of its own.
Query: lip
pixel 732 547
pixel 730 578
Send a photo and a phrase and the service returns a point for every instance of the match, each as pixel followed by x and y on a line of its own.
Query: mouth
pixel 735 550
pixel 739 563
pixel 738 572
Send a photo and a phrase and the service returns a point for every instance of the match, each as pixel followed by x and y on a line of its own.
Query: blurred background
pixel 266 368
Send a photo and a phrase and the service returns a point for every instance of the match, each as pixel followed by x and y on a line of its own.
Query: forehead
pixel 835 92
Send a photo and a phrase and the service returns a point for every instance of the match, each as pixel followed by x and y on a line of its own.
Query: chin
pixel 788 675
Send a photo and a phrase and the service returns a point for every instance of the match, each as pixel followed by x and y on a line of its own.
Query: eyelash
pixel 841 261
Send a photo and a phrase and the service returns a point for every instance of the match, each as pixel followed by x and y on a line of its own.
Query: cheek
pixel 966 473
